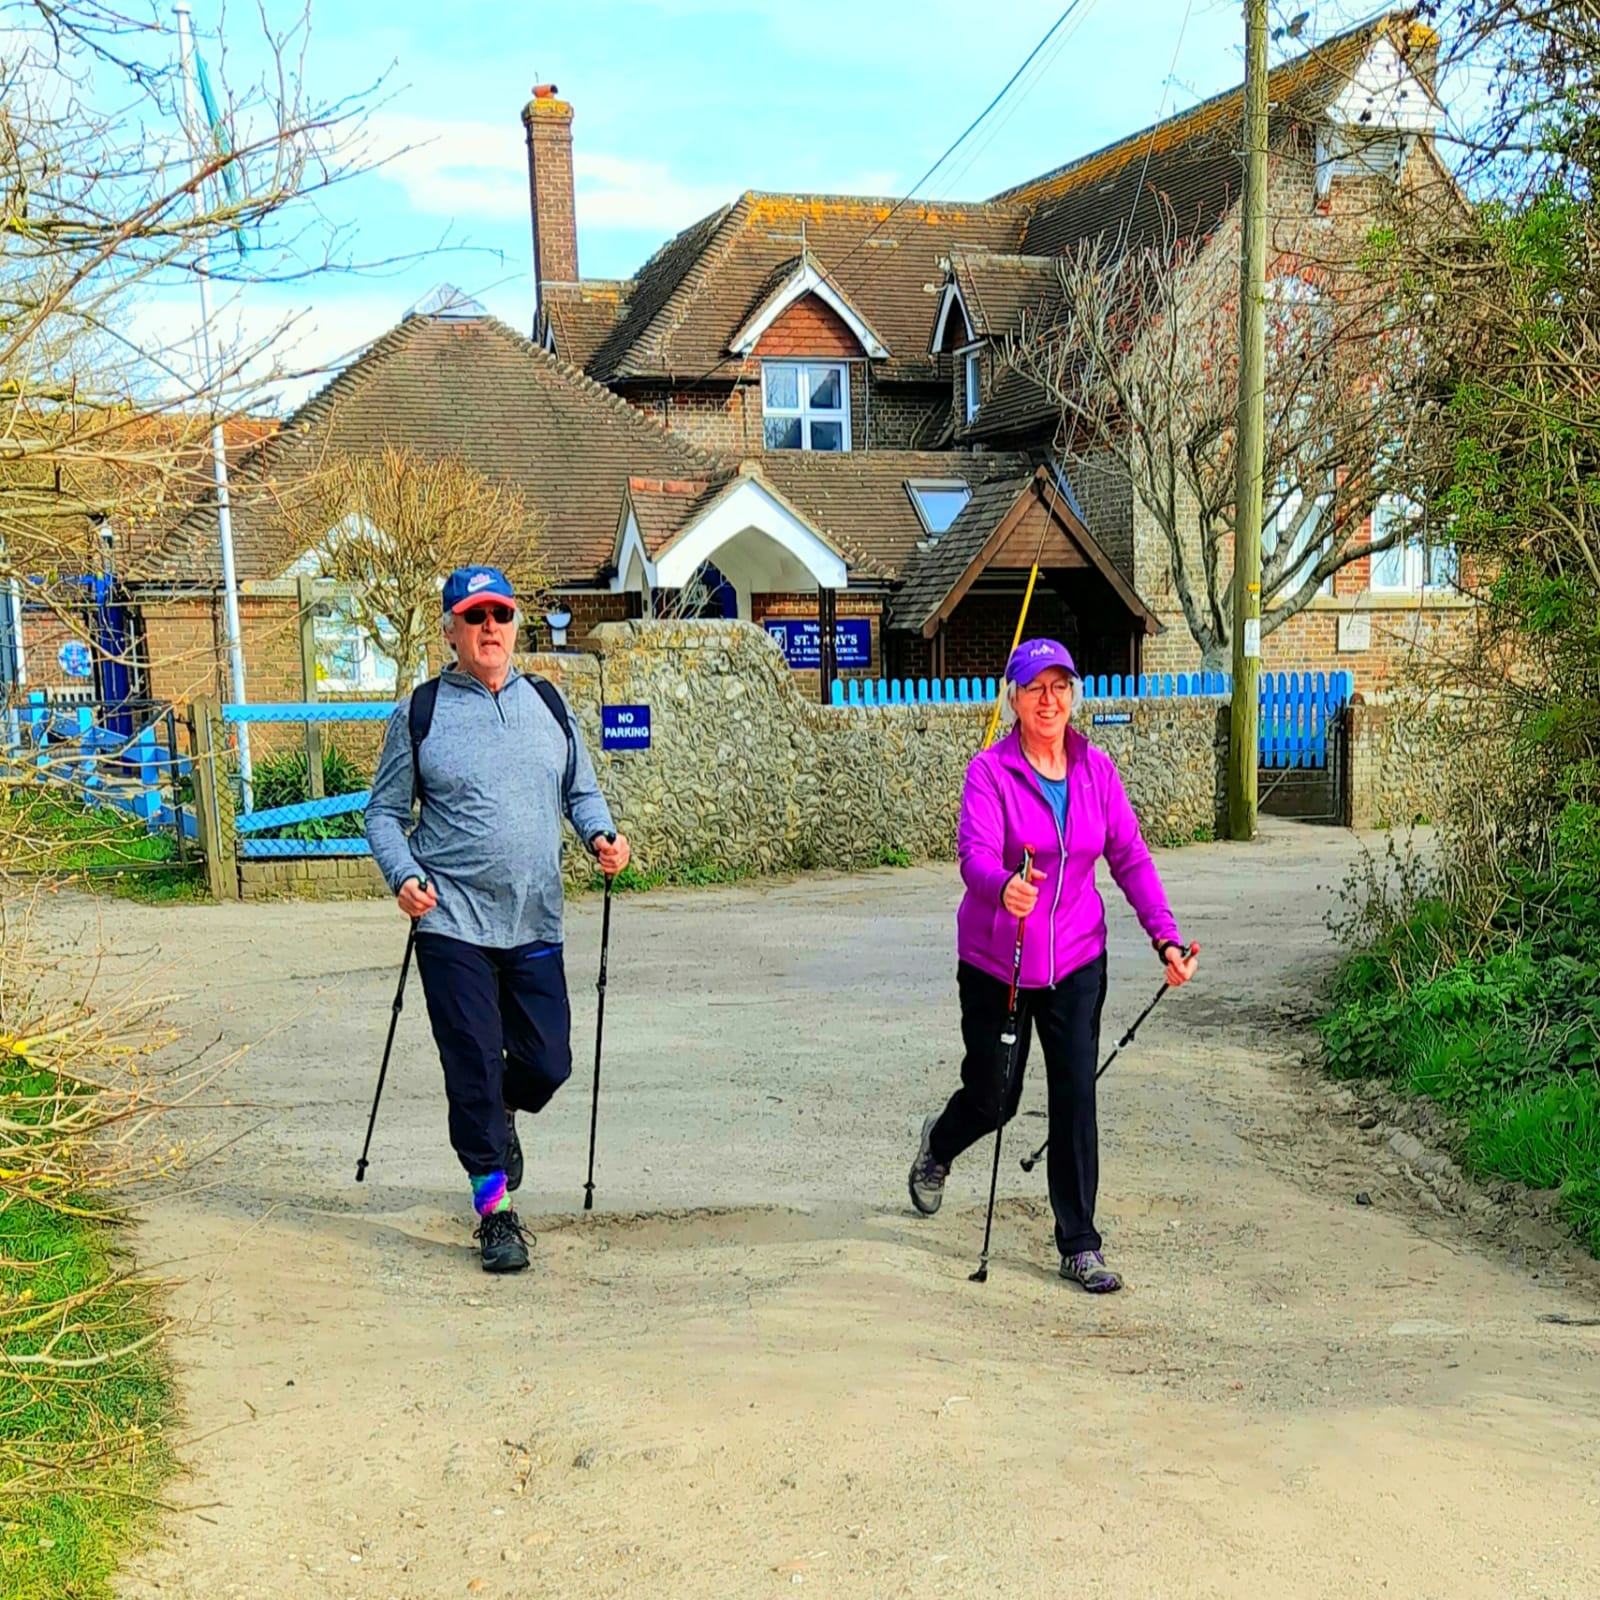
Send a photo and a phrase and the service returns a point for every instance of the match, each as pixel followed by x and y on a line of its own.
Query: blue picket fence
pixel 1297 710
pixel 984 691
pixel 66 746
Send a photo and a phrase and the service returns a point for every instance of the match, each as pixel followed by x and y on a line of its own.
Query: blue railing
pixel 249 824
pixel 64 745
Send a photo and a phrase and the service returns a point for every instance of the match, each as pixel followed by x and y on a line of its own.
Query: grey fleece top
pixel 489 836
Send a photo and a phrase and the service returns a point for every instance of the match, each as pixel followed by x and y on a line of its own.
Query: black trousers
pixel 504 1030
pixel 1068 1019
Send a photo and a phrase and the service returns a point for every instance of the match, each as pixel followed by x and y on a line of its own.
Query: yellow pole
pixel 999 700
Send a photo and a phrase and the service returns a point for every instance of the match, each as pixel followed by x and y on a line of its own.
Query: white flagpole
pixel 219 452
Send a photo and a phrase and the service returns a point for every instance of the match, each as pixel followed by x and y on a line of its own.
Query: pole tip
pixel 980 1276
pixel 588 1202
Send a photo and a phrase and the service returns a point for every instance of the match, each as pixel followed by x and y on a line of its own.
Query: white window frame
pixel 972 373
pixel 1416 576
pixel 1311 545
pixel 376 671
pixel 803 411
pixel 916 486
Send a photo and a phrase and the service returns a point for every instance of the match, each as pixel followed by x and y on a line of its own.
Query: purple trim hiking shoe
pixel 1088 1268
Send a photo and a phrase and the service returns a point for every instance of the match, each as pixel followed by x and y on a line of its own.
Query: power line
pixel 962 138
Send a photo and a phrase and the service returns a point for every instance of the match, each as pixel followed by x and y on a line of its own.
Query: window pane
pixel 827 435
pixel 1442 566
pixel 782 433
pixel 941 507
pixel 783 387
pixel 824 388
pixel 1389 568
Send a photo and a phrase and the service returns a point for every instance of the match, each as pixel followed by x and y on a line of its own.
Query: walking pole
pixel 1030 1162
pixel 599 1026
pixel 1009 1040
pixel 383 1071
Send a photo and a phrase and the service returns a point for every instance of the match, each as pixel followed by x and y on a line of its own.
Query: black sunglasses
pixel 474 616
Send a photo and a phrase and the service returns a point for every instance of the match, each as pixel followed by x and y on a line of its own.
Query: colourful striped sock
pixel 489 1193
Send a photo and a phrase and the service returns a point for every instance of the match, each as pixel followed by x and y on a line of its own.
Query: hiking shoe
pixel 513 1152
pixel 503 1243
pixel 927 1175
pixel 1088 1267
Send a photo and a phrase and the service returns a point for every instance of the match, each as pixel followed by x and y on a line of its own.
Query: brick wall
pixel 979 633
pixel 725 416
pixel 330 878
pixel 896 413
pixel 44 632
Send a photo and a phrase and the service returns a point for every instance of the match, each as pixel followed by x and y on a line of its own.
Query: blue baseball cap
pixel 1034 656
pixel 468 586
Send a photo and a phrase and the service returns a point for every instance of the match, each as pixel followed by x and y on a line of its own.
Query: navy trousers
pixel 1067 1016
pixel 504 1030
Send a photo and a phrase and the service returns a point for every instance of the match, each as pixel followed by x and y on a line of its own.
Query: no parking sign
pixel 624 727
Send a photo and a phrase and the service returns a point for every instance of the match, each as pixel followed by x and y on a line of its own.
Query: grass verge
pixel 1492 1012
pixel 104 851
pixel 85 1397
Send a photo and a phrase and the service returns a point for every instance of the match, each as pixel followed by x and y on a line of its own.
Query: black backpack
pixel 425 697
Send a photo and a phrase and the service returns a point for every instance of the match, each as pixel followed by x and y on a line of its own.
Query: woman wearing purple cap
pixel 1046 790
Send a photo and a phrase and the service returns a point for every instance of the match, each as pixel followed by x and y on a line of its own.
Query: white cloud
pixel 478 170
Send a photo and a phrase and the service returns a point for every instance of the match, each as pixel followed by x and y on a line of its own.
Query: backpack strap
pixel 425 700
pixel 551 696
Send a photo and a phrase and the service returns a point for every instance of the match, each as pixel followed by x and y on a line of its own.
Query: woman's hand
pixel 1181 963
pixel 416 898
pixel 1020 898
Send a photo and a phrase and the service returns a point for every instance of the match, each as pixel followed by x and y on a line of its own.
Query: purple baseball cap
pixel 1034 656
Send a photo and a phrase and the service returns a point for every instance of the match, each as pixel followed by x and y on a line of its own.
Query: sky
pixel 679 106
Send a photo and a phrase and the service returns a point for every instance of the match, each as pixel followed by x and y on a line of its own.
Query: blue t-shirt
pixel 1055 792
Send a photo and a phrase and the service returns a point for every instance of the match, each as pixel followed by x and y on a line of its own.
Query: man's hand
pixel 416 897
pixel 1180 963
pixel 612 854
pixel 1020 898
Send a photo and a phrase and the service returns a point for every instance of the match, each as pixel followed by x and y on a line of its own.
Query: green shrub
pixel 282 779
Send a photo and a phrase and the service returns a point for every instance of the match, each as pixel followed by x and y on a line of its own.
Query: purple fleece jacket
pixel 1002 810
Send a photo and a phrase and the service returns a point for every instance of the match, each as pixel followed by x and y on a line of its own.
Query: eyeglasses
pixel 476 616
pixel 1038 690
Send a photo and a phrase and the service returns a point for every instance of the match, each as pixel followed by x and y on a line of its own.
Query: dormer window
pixel 805 405
pixel 974 375
pixel 938 501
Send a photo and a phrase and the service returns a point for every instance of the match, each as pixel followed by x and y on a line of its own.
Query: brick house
pixel 635 518
pixel 797 412
pixel 812 325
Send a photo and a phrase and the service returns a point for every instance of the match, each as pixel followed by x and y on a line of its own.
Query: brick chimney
pixel 555 224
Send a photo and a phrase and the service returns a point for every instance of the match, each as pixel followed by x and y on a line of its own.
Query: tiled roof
pixel 580 316
pixel 997 289
pixel 930 574
pixel 467 386
pixel 702 286
pixel 1190 160
pixel 859 497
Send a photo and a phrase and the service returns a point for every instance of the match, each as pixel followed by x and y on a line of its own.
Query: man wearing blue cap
pixel 495 759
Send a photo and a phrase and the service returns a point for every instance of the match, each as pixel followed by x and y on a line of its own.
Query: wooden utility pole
pixel 1245 715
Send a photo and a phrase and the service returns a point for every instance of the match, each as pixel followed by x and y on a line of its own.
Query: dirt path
pixel 752 1369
